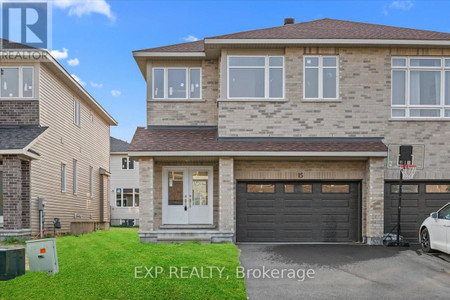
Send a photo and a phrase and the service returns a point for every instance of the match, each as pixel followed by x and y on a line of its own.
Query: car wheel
pixel 425 240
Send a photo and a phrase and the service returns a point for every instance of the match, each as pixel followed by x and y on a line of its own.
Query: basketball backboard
pixel 418 156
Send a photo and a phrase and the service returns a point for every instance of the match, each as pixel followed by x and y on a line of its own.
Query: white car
pixel 434 232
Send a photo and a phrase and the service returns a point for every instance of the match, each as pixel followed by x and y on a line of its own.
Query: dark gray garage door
pixel 298 212
pixel 418 201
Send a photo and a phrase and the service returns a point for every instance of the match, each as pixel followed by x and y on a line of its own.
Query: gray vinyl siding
pixel 64 142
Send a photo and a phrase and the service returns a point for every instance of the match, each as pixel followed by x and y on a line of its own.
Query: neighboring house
pixel 282 134
pixel 124 185
pixel 54 145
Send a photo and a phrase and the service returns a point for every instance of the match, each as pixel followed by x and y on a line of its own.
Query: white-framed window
pixel 177 83
pixel 320 77
pixel 420 87
pixel 127 197
pixel 91 182
pixel 63 178
pixel 127 163
pixel 75 177
pixel 16 82
pixel 76 112
pixel 255 77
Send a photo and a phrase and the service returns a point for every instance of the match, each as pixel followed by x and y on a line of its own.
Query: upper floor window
pixel 320 77
pixel 127 163
pixel 255 77
pixel 76 112
pixel 16 82
pixel 420 87
pixel 177 83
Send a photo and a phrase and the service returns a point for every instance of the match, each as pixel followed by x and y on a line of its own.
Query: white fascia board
pixel 329 41
pixel 256 153
pixel 20 152
pixel 169 54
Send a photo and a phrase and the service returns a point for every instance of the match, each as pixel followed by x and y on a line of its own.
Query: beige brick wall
pixel 147 189
pixel 203 112
pixel 227 195
pixel 373 206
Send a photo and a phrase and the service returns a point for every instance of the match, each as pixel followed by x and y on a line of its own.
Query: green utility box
pixel 12 263
pixel 42 256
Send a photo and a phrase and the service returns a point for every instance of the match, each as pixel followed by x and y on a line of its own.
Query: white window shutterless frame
pixel 404 70
pixel 319 67
pixel 187 195
pixel 160 83
pixel 23 88
pixel 268 69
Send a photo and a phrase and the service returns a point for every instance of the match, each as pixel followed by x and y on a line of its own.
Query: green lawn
pixel 102 266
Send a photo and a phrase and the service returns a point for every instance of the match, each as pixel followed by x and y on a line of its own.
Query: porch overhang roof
pixel 170 141
pixel 18 140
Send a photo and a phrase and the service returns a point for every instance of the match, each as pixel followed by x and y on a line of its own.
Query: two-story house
pixel 291 133
pixel 124 185
pixel 54 146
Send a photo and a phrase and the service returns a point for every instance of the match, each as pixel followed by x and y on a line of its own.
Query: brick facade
pixel 19 112
pixel 227 195
pixel 12 193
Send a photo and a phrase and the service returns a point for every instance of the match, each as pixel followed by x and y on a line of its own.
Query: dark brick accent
pixel 12 192
pixel 19 112
pixel 26 207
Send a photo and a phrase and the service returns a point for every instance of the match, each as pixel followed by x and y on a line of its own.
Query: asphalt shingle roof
pixel 205 139
pixel 317 29
pixel 18 137
pixel 117 145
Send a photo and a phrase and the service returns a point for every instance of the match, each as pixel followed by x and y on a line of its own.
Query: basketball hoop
pixel 408 171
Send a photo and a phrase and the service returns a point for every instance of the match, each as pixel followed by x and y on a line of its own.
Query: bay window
pixel 420 88
pixel 255 77
pixel 16 82
pixel 176 83
pixel 320 77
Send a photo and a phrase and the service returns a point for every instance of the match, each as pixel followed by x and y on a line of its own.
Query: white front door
pixel 187 195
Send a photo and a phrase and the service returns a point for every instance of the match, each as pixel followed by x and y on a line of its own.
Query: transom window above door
pixel 320 77
pixel 420 87
pixel 177 83
pixel 255 77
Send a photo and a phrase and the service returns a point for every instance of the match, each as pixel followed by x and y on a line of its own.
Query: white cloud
pixel 96 85
pixel 73 62
pixel 80 8
pixel 190 38
pixel 60 54
pixel 399 5
pixel 115 93
pixel 78 79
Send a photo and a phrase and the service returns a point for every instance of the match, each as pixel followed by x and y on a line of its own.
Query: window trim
pixel 76 109
pixel 121 197
pixel 166 83
pixel 75 177
pixel 407 106
pixel 128 163
pixel 320 68
pixel 63 178
pixel 91 182
pixel 267 68
pixel 20 81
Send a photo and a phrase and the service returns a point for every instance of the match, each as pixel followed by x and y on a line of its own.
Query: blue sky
pixel 101 34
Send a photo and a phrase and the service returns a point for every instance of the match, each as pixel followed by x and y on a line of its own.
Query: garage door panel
pixel 298 216
pixel 416 207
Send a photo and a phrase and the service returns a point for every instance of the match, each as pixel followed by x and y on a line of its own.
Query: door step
pixel 187 226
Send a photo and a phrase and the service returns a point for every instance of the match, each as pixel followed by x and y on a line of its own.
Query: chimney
pixel 288 21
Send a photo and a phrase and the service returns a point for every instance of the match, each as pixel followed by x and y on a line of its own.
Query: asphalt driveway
pixel 344 271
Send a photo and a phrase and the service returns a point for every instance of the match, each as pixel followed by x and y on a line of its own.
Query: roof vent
pixel 288 21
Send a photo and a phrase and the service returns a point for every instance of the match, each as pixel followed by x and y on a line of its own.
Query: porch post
pixel 146 209
pixel 227 192
pixel 374 201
